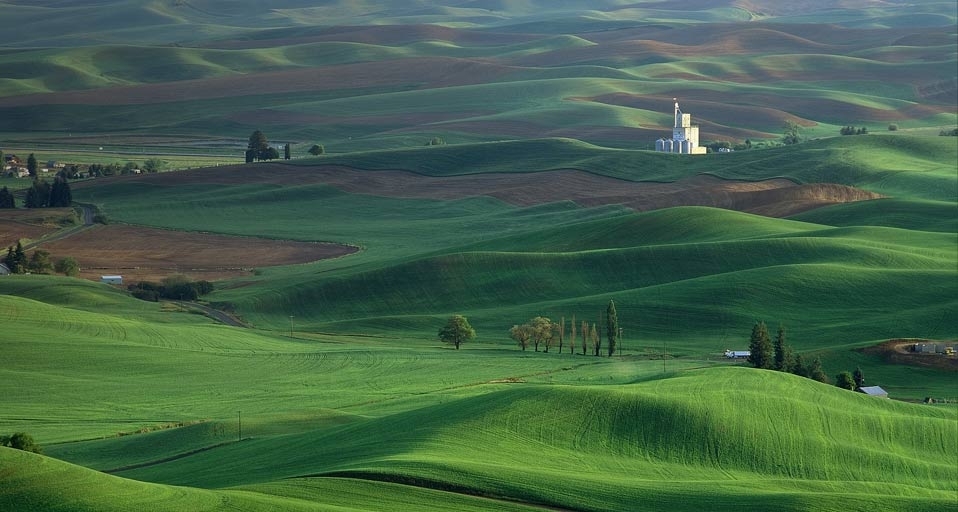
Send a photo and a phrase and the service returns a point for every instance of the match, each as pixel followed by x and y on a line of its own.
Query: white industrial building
pixel 685 136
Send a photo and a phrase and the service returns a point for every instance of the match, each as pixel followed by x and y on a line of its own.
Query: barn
pixel 873 391
pixel 111 279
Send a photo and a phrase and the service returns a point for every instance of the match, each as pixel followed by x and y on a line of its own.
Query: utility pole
pixel 239 421
pixel 290 326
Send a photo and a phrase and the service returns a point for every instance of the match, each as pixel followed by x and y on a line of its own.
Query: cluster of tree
pixel 792 134
pixel 43 195
pixel 851 130
pixel 779 355
pixel 718 145
pixel 176 287
pixel 457 331
pixel 6 199
pixel 949 133
pixel 541 331
pixel 259 148
pixel 849 380
pixel 21 441
pixel 38 263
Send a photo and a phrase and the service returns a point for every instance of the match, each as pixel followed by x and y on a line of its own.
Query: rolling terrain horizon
pixel 493 160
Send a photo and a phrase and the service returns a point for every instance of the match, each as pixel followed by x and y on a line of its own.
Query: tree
pixel 38 195
pixel 521 334
pixel 845 380
pixel 15 259
pixel 541 330
pixel 153 165
pixel 585 336
pixel 271 154
pixel 594 338
pixel 816 372
pixel 561 330
pixel 760 347
pixel 784 357
pixel 67 266
pixel 21 441
pixel 6 199
pixel 60 195
pixel 572 331
pixel 32 165
pixel 859 377
pixel 317 150
pixel 457 331
pixel 611 326
pixel 39 262
pixel 257 143
pixel 893 127
pixel 286 152
pixel 792 133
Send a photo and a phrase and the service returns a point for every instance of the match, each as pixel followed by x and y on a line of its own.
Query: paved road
pixel 213 313
pixel 86 215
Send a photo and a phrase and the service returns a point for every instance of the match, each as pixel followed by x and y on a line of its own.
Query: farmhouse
pixel 873 391
pixel 111 279
pixel 685 136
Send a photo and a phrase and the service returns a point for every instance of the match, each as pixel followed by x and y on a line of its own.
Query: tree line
pixel 778 355
pixel 175 287
pixel 542 332
pixel 38 263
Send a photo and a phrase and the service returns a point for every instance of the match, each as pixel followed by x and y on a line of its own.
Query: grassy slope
pixel 596 448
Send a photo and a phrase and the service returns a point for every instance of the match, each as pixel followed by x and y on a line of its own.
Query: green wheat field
pixel 532 200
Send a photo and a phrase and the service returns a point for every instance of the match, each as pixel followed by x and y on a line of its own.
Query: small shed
pixel 4 270
pixel 111 279
pixel 737 354
pixel 873 391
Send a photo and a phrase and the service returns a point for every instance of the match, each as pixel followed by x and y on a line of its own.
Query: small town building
pixel 111 279
pixel 873 391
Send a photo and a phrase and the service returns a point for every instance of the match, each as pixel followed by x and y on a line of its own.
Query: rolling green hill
pixel 337 396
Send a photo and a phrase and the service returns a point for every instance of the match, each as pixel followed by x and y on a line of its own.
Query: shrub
pixel 21 441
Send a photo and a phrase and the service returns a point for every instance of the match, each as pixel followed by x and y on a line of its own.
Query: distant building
pixel 111 279
pixel 737 354
pixel 685 136
pixel 873 391
pixel 4 270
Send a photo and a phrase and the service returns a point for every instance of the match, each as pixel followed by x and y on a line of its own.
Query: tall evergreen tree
pixel 816 372
pixel 32 165
pixel 561 332
pixel 16 259
pixel 286 154
pixel 859 377
pixel 6 199
pixel 760 347
pixel 60 195
pixel 611 326
pixel 38 195
pixel 784 357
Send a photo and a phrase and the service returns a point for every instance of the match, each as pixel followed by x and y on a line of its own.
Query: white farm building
pixel 685 136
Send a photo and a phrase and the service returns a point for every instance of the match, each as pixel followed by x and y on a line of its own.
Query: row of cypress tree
pixel 779 355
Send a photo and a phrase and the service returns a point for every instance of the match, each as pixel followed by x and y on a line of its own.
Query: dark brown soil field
pixel 148 254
